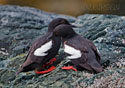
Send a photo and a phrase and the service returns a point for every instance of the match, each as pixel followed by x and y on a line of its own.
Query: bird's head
pixel 64 31
pixel 56 22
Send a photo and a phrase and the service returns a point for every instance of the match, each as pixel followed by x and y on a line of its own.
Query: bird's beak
pixel 73 26
pixel 76 25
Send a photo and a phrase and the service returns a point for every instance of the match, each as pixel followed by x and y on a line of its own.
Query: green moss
pixel 18 56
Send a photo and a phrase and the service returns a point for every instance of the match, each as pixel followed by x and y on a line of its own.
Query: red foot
pixel 69 68
pixel 50 62
pixel 46 71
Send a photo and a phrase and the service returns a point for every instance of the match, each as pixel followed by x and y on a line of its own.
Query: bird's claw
pixel 69 68
pixel 47 64
pixel 45 71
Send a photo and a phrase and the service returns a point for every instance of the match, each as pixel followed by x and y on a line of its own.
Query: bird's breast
pixel 74 53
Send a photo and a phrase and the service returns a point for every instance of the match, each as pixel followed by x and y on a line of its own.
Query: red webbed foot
pixel 69 68
pixel 50 62
pixel 45 65
pixel 45 71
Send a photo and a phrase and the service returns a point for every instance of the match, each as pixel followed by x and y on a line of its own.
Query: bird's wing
pixel 42 51
pixel 39 49
pixel 37 53
pixel 74 53
pixel 92 57
pixel 93 47
pixel 79 47
pixel 89 53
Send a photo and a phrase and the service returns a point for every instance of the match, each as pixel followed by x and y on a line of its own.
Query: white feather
pixel 43 49
pixel 72 51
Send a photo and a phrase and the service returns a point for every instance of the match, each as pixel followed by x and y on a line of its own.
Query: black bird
pixel 43 49
pixel 81 52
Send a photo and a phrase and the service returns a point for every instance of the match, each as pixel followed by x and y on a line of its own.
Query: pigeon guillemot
pixel 81 52
pixel 43 49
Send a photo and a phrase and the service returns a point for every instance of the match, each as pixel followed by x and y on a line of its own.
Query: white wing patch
pixel 43 49
pixel 72 51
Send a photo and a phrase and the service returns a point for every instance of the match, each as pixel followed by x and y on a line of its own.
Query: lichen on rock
pixel 20 26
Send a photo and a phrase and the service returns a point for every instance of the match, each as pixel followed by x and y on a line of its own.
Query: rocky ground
pixel 19 26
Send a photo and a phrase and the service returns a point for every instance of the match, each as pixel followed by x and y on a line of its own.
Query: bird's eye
pixel 56 33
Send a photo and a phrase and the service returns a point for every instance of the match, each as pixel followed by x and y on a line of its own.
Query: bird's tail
pixel 19 70
pixel 93 66
pixel 27 68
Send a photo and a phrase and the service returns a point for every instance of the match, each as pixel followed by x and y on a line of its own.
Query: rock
pixel 107 32
pixel 17 24
pixel 20 26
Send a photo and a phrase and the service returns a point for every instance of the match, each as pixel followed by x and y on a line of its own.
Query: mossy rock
pixel 20 26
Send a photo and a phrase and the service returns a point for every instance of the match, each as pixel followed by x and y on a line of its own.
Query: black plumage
pixel 87 56
pixel 32 61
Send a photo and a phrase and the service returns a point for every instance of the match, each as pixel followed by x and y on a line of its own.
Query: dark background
pixel 73 7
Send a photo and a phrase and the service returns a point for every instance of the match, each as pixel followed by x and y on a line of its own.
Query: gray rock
pixel 20 26
pixel 107 32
